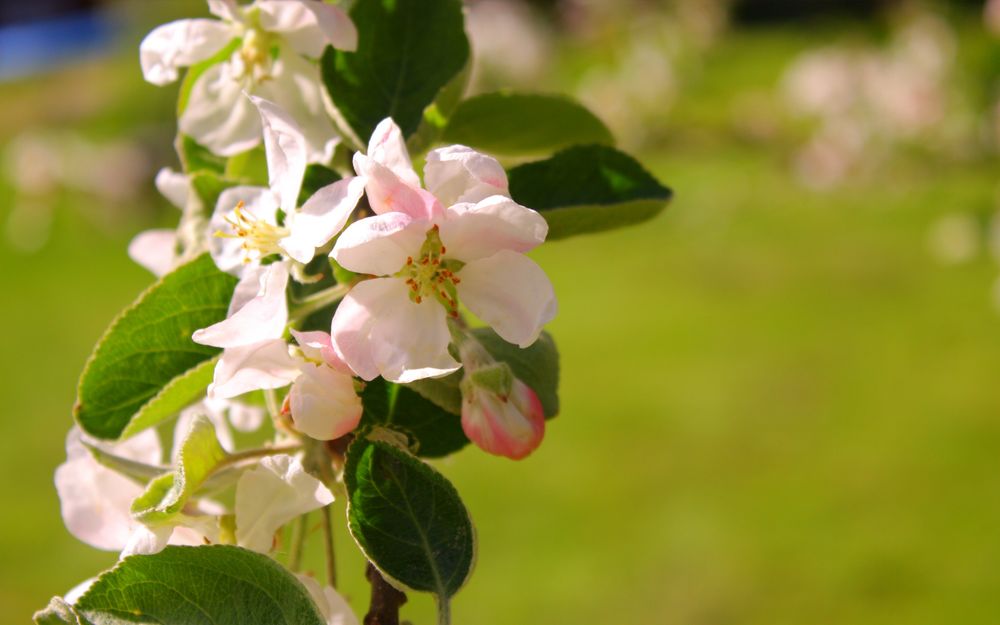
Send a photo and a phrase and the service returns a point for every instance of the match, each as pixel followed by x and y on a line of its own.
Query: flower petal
pixel 460 174
pixel 285 146
pixel 218 115
pixel 472 231
pixel 321 217
pixel 309 26
pixel 258 366
pixel 387 192
pixel 226 9
pixel 377 330
pixel 511 427
pixel 261 318
pixel 154 250
pixel 323 402
pixel 180 44
pixel 174 186
pixel 295 86
pixel 510 292
pixel 94 500
pixel 379 245
pixel 409 341
pixel 318 346
pixel 334 608
pixel 271 494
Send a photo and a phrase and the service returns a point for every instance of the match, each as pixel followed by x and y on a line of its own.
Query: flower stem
pixel 259 453
pixel 317 301
pixel 331 556
pixel 299 531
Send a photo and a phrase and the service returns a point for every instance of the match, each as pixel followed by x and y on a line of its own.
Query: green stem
pixel 331 556
pixel 316 301
pixel 299 531
pixel 444 611
pixel 258 453
pixel 271 398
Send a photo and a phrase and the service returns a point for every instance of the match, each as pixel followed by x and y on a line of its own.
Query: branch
pixel 386 600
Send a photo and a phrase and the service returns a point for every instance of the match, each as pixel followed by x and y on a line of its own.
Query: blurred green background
pixel 780 398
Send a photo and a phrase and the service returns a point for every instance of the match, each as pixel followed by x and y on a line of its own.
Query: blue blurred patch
pixel 31 47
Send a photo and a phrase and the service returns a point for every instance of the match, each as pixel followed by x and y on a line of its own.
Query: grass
pixel 778 408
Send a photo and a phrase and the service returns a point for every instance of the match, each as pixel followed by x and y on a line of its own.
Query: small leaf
pixel 435 431
pixel 408 519
pixel 146 367
pixel 210 585
pixel 58 612
pixel 196 157
pixel 407 51
pixel 588 189
pixel 536 365
pixel 166 495
pixel 520 123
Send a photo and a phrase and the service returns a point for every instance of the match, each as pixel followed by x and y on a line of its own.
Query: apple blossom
pixel 429 257
pixel 157 249
pixel 271 494
pixel 270 42
pixel 252 223
pixel 508 424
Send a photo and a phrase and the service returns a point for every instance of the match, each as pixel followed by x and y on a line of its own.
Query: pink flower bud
pixel 511 426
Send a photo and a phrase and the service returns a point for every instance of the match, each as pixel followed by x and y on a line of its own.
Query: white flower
pixel 431 257
pixel 334 608
pixel 255 356
pixel 156 249
pixel 271 494
pixel 246 219
pixel 272 37
pixel 95 501
pixel 323 402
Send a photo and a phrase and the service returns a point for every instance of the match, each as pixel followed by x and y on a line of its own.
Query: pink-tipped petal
pixel 318 346
pixel 460 174
pixel 387 192
pixel 513 426
pixel 510 292
pixel 323 403
pixel 472 231
pixel 387 147
pixel 379 245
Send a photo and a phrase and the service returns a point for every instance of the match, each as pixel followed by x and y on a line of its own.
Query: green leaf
pixel 196 157
pixel 435 432
pixel 588 189
pixel 536 365
pixel 520 123
pixel 146 367
pixel 166 495
pixel 209 585
pixel 408 519
pixel 407 51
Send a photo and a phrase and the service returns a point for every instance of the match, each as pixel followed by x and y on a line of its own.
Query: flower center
pixel 260 238
pixel 253 60
pixel 431 275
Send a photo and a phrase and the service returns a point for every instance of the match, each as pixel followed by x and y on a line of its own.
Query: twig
pixel 385 602
pixel 299 531
pixel 331 556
